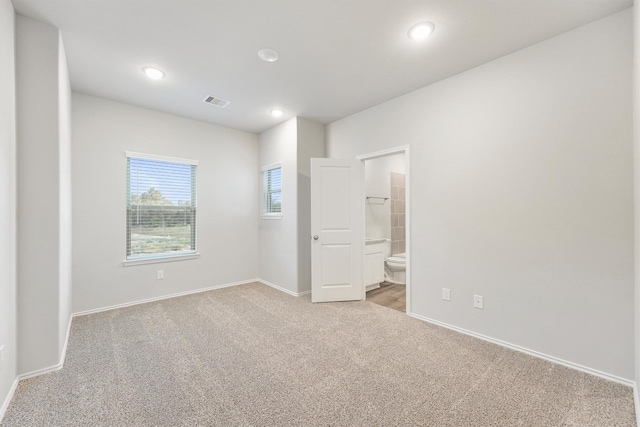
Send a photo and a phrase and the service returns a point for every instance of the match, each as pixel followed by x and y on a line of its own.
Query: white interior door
pixel 337 242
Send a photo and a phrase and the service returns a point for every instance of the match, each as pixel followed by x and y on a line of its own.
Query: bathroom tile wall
pixel 398 241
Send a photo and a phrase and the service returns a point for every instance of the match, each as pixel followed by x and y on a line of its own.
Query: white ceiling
pixel 337 57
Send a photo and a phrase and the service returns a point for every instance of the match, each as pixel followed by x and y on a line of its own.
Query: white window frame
pixel 165 257
pixel 265 214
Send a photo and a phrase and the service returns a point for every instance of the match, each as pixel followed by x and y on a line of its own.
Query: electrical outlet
pixel 446 294
pixel 478 301
pixel 160 274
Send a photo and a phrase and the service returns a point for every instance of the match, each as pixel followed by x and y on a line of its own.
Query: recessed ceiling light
pixel 268 55
pixel 277 112
pixel 153 73
pixel 421 30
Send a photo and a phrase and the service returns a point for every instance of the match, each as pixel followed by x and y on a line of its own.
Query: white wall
pixel 377 176
pixel 311 137
pixel 636 170
pixel 521 192
pixel 278 237
pixel 227 231
pixel 43 205
pixel 285 249
pixel 65 225
pixel 8 302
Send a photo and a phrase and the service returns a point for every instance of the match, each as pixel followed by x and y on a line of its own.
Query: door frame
pixel 404 149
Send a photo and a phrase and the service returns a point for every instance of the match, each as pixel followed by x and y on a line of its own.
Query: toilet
pixel 395 269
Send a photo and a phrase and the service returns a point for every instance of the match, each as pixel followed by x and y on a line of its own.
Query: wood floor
pixel 389 295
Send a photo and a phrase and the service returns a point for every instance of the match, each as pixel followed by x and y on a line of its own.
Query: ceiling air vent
pixel 218 102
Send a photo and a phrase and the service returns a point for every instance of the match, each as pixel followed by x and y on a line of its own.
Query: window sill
pixel 169 258
pixel 272 216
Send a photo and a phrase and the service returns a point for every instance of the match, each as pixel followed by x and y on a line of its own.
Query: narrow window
pixel 272 191
pixel 161 206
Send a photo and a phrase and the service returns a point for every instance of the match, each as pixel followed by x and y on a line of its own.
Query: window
pixel 161 207
pixel 272 191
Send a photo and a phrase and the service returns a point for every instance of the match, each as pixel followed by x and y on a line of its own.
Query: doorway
pixel 387 260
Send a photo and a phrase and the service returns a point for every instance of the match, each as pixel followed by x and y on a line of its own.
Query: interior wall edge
pixel 286 291
pixel 8 205
pixel 636 197
pixel 38 257
pixel 7 399
pixel 53 368
pixel 636 400
pixel 65 345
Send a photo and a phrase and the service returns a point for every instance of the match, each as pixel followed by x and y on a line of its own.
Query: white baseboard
pixel 66 342
pixel 286 291
pixel 530 352
pixel 179 294
pixel 636 400
pixel 42 371
pixel 35 373
pixel 7 400
pixel 53 368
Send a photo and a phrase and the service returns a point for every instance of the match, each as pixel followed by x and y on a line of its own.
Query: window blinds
pixel 161 206
pixel 272 190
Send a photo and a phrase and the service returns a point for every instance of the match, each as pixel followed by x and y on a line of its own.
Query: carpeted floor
pixel 253 356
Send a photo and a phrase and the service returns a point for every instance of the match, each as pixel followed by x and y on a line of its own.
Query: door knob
pixel 315 237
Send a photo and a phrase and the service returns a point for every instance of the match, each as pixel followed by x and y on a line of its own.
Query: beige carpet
pixel 253 356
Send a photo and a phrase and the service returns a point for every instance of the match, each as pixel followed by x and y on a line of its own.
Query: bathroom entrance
pixel 341 268
pixel 386 258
